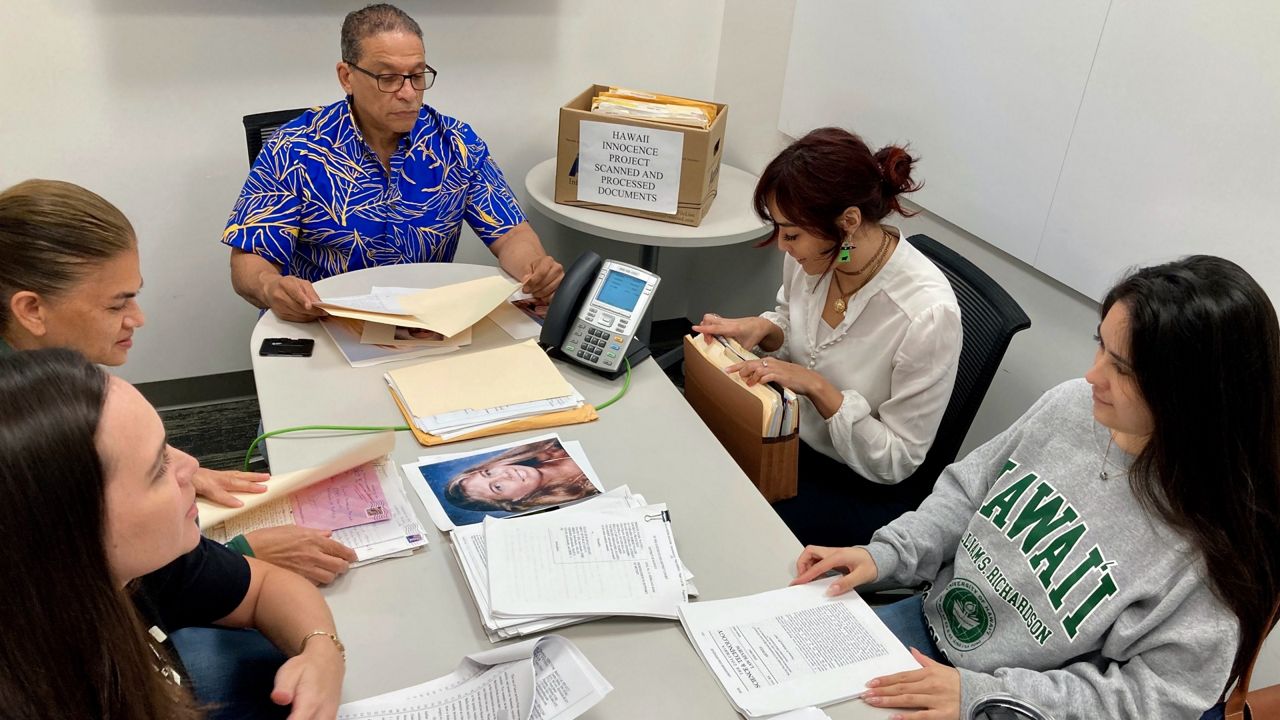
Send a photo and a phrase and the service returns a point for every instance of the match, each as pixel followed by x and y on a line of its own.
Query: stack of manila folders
pixel 504 389
pixel 640 105
pixel 357 495
pixel 779 415
pixel 546 678
pixel 606 553
pixel 395 323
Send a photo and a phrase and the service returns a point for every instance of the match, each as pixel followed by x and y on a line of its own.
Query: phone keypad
pixel 595 345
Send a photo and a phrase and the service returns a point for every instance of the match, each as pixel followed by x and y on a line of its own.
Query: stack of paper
pixel 470 546
pixel 460 396
pixel 547 678
pixel 465 493
pixel 640 105
pixel 593 559
pixel 357 495
pixel 781 416
pixel 787 649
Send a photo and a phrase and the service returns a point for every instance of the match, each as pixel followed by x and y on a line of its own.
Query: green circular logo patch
pixel 967 617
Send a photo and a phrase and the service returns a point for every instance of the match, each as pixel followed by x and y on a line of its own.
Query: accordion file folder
pixel 734 415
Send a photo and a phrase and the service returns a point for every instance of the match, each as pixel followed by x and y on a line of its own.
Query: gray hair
pixel 372 20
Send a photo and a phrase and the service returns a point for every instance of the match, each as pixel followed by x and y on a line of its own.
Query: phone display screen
pixel 621 290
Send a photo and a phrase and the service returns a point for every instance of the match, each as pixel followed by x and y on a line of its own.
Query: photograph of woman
pixel 506 481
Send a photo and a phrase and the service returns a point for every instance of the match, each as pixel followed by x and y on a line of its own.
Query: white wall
pixel 1059 345
pixel 141 100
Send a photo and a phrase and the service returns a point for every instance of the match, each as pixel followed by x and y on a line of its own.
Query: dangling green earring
pixel 845 247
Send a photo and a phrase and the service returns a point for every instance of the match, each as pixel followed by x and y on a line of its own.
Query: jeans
pixel 905 619
pixel 230 671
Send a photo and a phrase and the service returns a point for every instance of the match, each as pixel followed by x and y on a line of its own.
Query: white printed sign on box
pixel 628 166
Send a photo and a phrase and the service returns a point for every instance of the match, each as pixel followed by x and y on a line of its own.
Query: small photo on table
pixel 410 333
pixel 534 308
pixel 462 489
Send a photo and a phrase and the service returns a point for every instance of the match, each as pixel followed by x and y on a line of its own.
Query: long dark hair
pixel 73 644
pixel 1205 348
pixel 816 178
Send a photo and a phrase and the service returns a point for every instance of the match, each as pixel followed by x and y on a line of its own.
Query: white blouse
pixel 893 356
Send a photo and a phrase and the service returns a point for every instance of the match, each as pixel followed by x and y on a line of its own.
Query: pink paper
pixel 342 501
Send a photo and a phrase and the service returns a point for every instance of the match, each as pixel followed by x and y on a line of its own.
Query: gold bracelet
pixel 302 647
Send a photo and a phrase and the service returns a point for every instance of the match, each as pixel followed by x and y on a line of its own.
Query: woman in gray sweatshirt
pixel 1110 555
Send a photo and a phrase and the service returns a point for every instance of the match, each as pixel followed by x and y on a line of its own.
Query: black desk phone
pixel 596 312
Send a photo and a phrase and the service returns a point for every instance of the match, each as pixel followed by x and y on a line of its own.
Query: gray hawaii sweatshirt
pixel 1052 584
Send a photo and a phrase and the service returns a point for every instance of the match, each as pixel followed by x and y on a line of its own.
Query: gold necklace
pixel 841 303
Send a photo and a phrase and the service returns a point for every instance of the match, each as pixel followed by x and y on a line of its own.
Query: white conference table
pixel 408 620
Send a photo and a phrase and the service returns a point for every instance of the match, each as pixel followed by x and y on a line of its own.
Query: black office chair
pixel 259 127
pixel 990 318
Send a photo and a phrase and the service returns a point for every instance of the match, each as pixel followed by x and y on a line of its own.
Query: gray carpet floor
pixel 216 434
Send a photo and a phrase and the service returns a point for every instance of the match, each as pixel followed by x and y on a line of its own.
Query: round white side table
pixel 731 219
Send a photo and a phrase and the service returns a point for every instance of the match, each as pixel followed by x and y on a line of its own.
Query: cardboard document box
pixel 636 173
pixel 733 414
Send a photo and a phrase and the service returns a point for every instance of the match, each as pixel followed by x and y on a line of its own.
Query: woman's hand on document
pixel 817 561
pixel 749 331
pixel 216 486
pixel 308 552
pixel 934 688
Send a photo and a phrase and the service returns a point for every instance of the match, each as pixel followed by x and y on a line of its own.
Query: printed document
pixel 619 561
pixel 396 534
pixel 468 542
pixel 546 678
pixel 283 485
pixel 786 649
pixel 345 500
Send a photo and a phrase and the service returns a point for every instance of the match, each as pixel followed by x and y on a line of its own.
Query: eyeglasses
pixel 392 82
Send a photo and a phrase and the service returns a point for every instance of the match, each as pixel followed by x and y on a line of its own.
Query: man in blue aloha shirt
pixel 376 179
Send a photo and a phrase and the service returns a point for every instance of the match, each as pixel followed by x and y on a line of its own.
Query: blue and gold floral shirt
pixel 318 202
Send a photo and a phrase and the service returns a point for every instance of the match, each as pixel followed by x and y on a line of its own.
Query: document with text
pixel 468 543
pixel 397 532
pixel 546 678
pixel 787 649
pixel 617 561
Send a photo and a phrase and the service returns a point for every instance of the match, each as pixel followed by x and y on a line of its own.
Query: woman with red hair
pixel 866 331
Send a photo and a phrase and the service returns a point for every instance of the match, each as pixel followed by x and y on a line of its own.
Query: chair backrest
pixel 990 318
pixel 259 127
